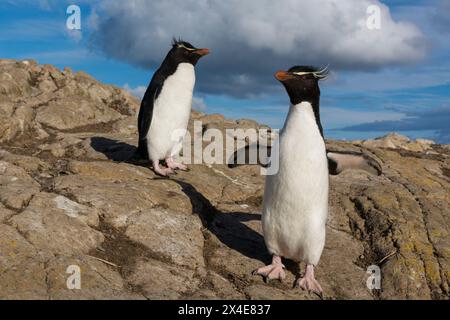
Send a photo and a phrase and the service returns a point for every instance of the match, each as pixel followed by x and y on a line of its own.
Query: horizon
pixel 392 79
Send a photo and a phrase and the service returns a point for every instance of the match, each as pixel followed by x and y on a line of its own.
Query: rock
pixel 260 292
pixel 173 235
pixel 195 115
pixel 15 121
pixel 396 141
pixel 23 272
pixel 75 210
pixel 16 186
pixel 98 281
pixel 58 225
pixel 28 163
pixel 223 289
pixel 425 142
pixel 341 253
pixel 119 191
pixel 211 118
pixel 74 114
pixel 33 95
pixel 5 213
pixel 248 124
pixel 64 144
pixel 71 194
pixel 162 281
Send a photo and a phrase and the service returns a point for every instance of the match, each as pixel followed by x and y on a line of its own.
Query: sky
pixel 394 77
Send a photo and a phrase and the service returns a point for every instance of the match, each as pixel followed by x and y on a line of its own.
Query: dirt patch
pixel 446 172
pixel 101 127
pixel 119 250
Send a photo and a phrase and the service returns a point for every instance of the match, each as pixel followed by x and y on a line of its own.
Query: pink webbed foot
pixel 175 165
pixel 308 282
pixel 161 171
pixel 272 271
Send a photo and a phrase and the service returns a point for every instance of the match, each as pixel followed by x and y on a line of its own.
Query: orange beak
pixel 283 75
pixel 202 52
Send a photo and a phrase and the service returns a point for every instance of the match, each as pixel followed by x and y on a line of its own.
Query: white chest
pixel 171 111
pixel 176 93
pixel 296 198
pixel 302 148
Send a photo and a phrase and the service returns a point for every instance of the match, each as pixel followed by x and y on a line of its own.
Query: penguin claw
pixel 175 165
pixel 271 272
pixel 309 283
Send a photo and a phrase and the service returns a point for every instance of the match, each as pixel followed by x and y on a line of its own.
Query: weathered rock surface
pixel 70 196
pixel 397 141
pixel 34 97
pixel 58 224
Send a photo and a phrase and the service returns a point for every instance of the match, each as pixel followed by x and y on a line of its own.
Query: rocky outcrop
pixel 35 97
pixel 71 196
pixel 397 141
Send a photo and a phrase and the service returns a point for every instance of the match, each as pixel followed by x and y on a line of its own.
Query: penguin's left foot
pixel 309 282
pixel 175 165
pixel 272 271
pixel 163 172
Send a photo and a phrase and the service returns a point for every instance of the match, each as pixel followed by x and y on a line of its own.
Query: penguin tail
pixel 141 152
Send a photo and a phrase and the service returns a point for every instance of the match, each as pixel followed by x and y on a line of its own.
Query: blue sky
pixel 399 81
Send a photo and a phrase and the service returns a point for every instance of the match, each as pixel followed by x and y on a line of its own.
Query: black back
pixel 181 52
pixel 305 88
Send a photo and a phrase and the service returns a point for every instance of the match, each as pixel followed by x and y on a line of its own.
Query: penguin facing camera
pixel 295 205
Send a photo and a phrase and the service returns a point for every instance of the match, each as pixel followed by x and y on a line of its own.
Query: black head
pixel 183 51
pixel 302 83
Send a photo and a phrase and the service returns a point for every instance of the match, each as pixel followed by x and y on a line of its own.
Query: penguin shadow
pixel 118 151
pixel 228 227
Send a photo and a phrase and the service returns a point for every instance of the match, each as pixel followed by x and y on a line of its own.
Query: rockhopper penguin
pixel 295 205
pixel 166 107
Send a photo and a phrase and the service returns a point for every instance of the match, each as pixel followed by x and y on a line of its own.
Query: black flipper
pixel 338 161
pixel 146 115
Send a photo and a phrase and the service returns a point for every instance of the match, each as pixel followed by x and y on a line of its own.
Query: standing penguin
pixel 295 205
pixel 166 107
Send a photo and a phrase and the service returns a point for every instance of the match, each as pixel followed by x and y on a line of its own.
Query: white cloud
pixel 75 35
pixel 138 91
pixel 254 38
pixel 199 104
